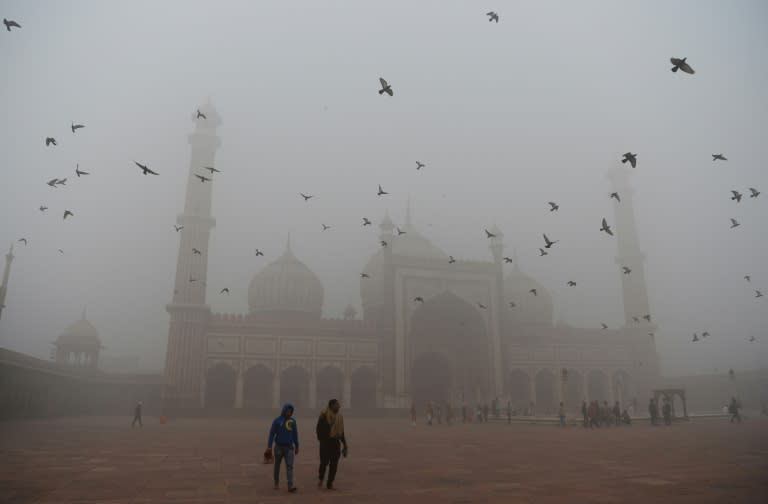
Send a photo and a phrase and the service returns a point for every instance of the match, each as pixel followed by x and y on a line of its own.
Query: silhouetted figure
pixel 330 434
pixel 733 409
pixel 509 412
pixel 413 414
pixel 439 414
pixel 430 413
pixel 593 411
pixel 625 419
pixel 284 433
pixel 137 415
pixel 666 411
pixel 617 413
pixel 605 414
pixel 584 413
pixel 653 411
pixel 485 413
pixel 561 414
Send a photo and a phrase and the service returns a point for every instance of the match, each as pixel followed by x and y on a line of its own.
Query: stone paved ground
pixel 90 460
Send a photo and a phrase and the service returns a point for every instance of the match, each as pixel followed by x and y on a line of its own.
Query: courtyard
pixel 103 460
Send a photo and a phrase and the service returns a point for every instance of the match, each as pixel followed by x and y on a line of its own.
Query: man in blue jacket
pixel 285 435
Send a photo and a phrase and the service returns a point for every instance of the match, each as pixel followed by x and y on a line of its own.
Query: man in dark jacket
pixel 330 433
pixel 284 434
pixel 137 414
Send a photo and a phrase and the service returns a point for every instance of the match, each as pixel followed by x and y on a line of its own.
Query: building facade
pixel 432 328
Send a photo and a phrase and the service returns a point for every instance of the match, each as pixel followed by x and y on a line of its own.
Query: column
pixel 276 391
pixel 239 388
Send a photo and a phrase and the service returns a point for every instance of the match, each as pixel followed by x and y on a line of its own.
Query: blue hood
pixel 286 406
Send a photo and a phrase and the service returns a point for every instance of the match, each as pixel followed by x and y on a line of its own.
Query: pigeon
pixel 43 208
pixel 306 197
pixel 9 23
pixel 385 88
pixel 381 191
pixel 488 234
pixel 571 283
pixel 652 335
pixel 548 242
pixel 366 222
pixel 492 16
pixel 22 240
pixel 636 320
pixel 632 158
pixel 719 157
pixel 200 115
pixel 211 169
pixel 752 339
pixel 178 228
pixel 542 252
pixel 66 213
pixel 736 196
pixel 507 259
pixel 534 292
pixel 192 279
pixel 615 196
pixel 747 278
pixel 364 275
pixel 451 260
pixel 604 326
pixel 606 227
pixel 418 299
pixel 196 251
pixel 734 223
pixel 79 172
pixel 400 232
pixel 326 227
pixel 626 270
pixel 705 334
pixel 647 317
pixel 52 182
pixel 419 165
pixel 202 178
pixel 758 294
pixel 695 337
pixel 62 181
pixel 481 306
pixel 755 192
pixel 680 64
pixel 76 127
pixel 49 141
pixel 512 304
pixel 144 169
pixel 553 207
pixel 225 289
pixel 383 243
pixel 259 253
pixel 60 251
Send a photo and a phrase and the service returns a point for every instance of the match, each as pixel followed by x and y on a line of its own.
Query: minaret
pixel 4 286
pixel 634 289
pixel 184 362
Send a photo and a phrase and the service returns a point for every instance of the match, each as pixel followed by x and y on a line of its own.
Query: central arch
pixel 545 392
pixel 330 384
pixel 363 388
pixel 257 387
pixel 518 389
pixel 220 387
pixel 598 386
pixel 294 386
pixel 453 333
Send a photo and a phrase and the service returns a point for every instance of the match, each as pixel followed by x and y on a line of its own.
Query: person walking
pixel 413 414
pixel 430 413
pixel 330 433
pixel 733 409
pixel 652 411
pixel 137 415
pixel 561 414
pixel 617 413
pixel 509 412
pixel 284 434
pixel 666 410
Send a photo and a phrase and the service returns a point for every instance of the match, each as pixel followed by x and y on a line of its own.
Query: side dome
pixel 80 333
pixel 529 309
pixel 286 288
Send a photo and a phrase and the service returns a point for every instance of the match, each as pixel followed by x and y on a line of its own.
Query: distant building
pixel 464 343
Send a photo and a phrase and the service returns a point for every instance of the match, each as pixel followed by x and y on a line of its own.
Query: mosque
pixel 478 334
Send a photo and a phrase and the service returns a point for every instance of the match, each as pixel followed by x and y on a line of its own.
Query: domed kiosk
pixel 79 344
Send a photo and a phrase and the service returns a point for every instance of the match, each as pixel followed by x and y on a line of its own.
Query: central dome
pixel 286 288
pixel 80 333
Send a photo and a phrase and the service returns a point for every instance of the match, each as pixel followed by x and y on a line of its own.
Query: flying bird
pixel 705 334
pixel 549 242
pixel 76 127
pixel 66 213
pixel 60 251
pixel 534 292
pixel 178 228
pixel 571 283
pixel 680 64
pixel 542 252
pixel 196 251
pixel 734 223
pixel 225 289
pixel 366 222
pixel 211 169
pixel 626 270
pixel 79 172
pixel 719 157
pixel 259 253
pixel 200 115
pixel 604 325
pixel 364 275
pixel 758 294
pixel 492 16
pixel 202 178
pixel 385 88
pixel 24 240
pixel 192 279
pixel 507 259
pixel 512 304
pixel 755 192
pixel 695 337
pixel 381 191
pixel 615 196
pixel 606 227
pixel 10 23
pixel 736 196
pixel 306 197
pixel 451 260
pixel 553 207
pixel 43 208
pixel 420 165
pixel 62 181
pixel 383 243
pixel 52 182
pixel 481 306
pixel 752 339
pixel 647 317
pixel 418 299
pixel 632 158
pixel 144 169
pixel 400 232
pixel 488 234
pixel 325 227
pixel 49 141
pixel 747 278
pixel 637 320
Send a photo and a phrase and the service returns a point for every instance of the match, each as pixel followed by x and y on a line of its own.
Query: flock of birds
pixel 386 88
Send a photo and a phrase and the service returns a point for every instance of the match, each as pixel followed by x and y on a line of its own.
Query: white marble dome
pixel 80 333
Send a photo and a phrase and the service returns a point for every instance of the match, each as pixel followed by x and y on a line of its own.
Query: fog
pixel 506 117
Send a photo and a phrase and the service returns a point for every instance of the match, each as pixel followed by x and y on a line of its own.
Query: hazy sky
pixel 506 116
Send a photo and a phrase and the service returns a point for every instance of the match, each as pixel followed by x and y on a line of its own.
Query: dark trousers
pixel 136 418
pixel 330 452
